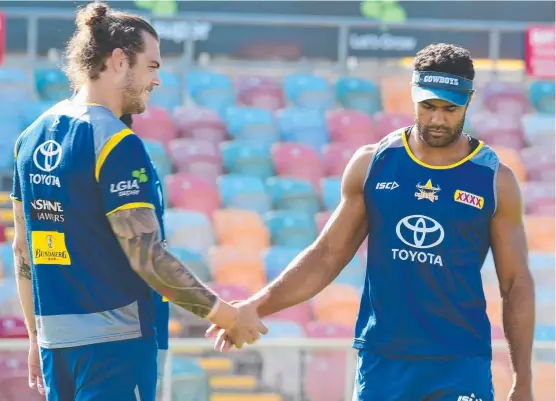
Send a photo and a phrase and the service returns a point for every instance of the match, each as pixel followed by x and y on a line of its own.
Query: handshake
pixel 236 323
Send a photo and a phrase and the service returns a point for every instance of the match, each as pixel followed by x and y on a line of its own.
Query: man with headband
pixel 432 201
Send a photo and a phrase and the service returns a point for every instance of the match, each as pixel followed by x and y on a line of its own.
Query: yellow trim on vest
pixel 14 199
pixel 459 163
pixel 132 205
pixel 108 147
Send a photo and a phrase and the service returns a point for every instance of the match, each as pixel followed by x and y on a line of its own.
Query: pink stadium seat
pixel 298 161
pixel 386 123
pixel 538 197
pixel 155 124
pixel 539 162
pixel 190 192
pixel 196 157
pixel 259 91
pixel 328 330
pixel 300 313
pixel 12 327
pixel 325 377
pixel 498 129
pixel 16 388
pixel 13 363
pixel 501 374
pixel 503 97
pixel 336 156
pixel 352 127
pixel 199 123
pixel 321 218
pixel 230 292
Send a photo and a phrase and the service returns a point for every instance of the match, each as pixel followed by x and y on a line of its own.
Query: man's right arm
pixel 318 265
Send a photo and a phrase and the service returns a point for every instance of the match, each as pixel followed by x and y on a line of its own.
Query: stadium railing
pixel 179 346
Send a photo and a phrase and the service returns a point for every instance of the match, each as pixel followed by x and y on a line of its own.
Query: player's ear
pixel 118 59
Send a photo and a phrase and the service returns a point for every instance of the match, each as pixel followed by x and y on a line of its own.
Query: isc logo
pixel 387 185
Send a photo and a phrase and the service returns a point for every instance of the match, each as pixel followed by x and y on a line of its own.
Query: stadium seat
pixel 298 161
pixel 33 110
pixel 167 95
pixel 316 329
pixel 300 313
pixel 200 123
pixel 185 191
pixel 506 98
pixel 237 266
pixel 336 156
pixel 358 94
pixel 241 228
pixel 210 90
pixel 188 229
pixel 308 91
pixel 540 233
pixel 541 95
pixel 396 94
pixel 539 129
pixel 538 197
pixel 251 124
pixel 230 292
pixel 498 129
pixel 260 91
pixel 52 84
pixel 325 376
pixel 190 381
pixel 247 158
pixel 539 161
pixel 12 327
pixel 543 380
pixel 321 218
pixel 243 192
pixel 156 124
pixel 159 156
pixel 16 388
pixel 512 159
pixel 6 216
pixel 337 303
pixel 386 123
pixel 7 259
pixel 304 126
pixel 277 258
pixel 293 194
pixel 353 274
pixel 14 85
pixel 331 192
pixel 292 229
pixel 280 328
pixel 194 261
pixel 196 157
pixel 352 127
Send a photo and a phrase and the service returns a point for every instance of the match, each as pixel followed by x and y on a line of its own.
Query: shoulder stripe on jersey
pixel 132 205
pixel 108 147
pixel 14 199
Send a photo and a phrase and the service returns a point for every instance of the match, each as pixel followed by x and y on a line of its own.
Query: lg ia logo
pixel 419 232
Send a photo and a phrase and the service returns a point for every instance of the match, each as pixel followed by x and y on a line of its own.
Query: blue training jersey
pixel 75 165
pixel 429 229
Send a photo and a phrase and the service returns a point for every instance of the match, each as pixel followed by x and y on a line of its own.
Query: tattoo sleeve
pixel 21 255
pixel 138 232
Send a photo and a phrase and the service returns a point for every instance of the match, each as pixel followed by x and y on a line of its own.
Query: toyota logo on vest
pixel 419 232
pixel 46 158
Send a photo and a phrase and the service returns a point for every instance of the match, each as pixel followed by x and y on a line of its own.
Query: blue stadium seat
pixel 251 124
pixel 52 84
pixel 358 94
pixel 211 90
pixel 541 95
pixel 159 156
pixel 168 95
pixel 293 229
pixel 247 158
pixel 545 332
pixel 331 192
pixel 14 85
pixel 279 328
pixel 190 381
pixel 34 110
pixel 7 259
pixel 353 274
pixel 277 258
pixel 243 192
pixel 189 229
pixel 307 127
pixel 308 91
pixel 293 194
pixel 194 262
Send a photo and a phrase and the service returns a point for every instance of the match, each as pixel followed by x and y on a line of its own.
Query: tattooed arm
pixel 22 263
pixel 138 232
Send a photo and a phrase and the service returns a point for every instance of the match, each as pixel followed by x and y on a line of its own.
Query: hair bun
pixel 93 14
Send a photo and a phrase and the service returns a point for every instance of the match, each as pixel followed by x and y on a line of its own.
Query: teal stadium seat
pixel 211 90
pixel 279 328
pixel 250 124
pixel 52 84
pixel 353 274
pixel 243 192
pixel 168 95
pixel 293 229
pixel 189 381
pixel 358 94
pixel 293 194
pixel 276 258
pixel 159 156
pixel 247 158
pixel 331 192
pixel 541 95
pixel 194 262
pixel 308 91
pixel 189 229
pixel 304 126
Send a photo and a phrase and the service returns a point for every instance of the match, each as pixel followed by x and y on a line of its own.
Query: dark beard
pixel 450 136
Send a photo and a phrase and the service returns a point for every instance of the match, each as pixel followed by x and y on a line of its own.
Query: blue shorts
pixel 119 370
pixel 422 379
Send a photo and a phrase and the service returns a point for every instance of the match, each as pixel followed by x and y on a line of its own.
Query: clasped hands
pixel 246 329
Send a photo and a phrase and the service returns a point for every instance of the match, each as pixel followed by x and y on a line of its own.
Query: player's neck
pixel 438 156
pixel 96 93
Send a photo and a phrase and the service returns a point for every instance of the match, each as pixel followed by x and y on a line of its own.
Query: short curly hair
pixel 446 58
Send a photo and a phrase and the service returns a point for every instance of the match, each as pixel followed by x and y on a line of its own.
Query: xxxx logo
pixel 469 199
